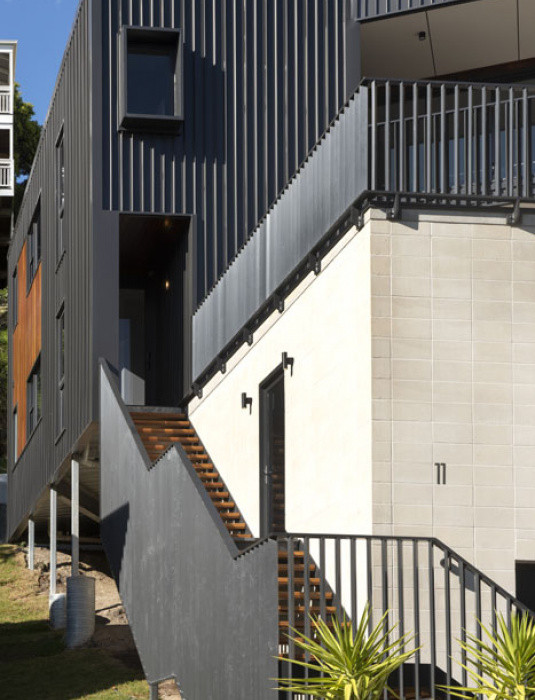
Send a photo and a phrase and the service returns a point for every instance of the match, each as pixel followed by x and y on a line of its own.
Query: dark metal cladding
pixel 328 183
pixel 262 80
pixel 65 281
pixel 217 615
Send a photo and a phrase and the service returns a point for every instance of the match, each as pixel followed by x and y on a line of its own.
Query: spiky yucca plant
pixel 502 667
pixel 353 666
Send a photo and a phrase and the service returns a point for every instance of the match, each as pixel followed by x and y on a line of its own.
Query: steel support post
pixel 53 539
pixel 31 544
pixel 75 517
pixel 153 691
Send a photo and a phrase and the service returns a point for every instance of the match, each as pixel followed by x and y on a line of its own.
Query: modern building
pixel 272 326
pixel 8 55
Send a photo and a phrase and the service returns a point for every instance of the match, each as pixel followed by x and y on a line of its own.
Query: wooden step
pixel 230 516
pixel 236 526
pixel 224 504
pixel 312 581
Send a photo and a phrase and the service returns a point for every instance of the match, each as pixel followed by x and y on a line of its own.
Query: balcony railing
pixel 5 101
pixel 6 175
pixel 452 139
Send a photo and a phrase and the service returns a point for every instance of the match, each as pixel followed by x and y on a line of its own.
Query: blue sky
pixel 42 28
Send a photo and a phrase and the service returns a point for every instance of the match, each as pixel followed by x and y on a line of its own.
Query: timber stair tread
pixel 159 430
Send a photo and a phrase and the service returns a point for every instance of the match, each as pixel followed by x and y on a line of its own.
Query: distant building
pixel 273 330
pixel 8 55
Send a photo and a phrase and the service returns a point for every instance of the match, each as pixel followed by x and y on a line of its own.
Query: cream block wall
pixel 453 345
pixel 326 328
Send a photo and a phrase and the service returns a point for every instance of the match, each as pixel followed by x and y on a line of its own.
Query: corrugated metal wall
pixel 262 81
pixel 329 182
pixel 67 281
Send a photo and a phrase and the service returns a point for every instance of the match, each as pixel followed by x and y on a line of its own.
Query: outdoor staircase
pixel 159 430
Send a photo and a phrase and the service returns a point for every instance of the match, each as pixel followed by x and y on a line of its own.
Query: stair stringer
pixel 198 612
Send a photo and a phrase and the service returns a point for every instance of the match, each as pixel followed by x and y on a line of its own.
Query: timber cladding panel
pixel 26 341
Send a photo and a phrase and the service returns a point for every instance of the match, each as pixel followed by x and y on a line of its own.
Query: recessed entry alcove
pixel 155 304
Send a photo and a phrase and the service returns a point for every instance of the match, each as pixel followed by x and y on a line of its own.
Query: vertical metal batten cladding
pixel 64 281
pixel 249 115
pixel 369 9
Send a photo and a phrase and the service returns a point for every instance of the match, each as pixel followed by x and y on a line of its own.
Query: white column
pixel 75 517
pixel 31 543
pixel 53 539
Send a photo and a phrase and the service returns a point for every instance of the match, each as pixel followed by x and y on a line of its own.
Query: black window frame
pixel 33 247
pixel 34 408
pixel 60 369
pixel 15 433
pixel 60 194
pixel 15 292
pixel 156 36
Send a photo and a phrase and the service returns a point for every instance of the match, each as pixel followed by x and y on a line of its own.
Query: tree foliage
pixel 26 133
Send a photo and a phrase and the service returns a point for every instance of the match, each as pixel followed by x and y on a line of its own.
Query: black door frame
pixel 266 385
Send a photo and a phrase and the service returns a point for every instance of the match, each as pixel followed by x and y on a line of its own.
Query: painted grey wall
pixel 370 9
pixel 213 625
pixel 334 175
pixel 67 281
pixel 262 81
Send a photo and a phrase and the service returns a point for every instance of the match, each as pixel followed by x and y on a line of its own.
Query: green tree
pixel 27 132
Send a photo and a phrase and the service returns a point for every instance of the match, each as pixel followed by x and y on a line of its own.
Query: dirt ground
pixel 112 632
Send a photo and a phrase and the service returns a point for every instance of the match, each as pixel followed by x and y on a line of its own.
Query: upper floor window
pixel 5 72
pixel 151 95
pixel 15 302
pixel 60 362
pixel 33 397
pixel 60 194
pixel 5 144
pixel 34 245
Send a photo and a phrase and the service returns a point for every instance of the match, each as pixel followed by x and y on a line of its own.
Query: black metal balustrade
pixel 452 139
pixel 428 590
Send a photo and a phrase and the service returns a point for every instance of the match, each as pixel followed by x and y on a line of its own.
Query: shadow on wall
pixel 114 528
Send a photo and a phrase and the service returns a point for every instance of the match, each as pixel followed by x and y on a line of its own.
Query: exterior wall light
pixel 167 285
pixel 247 401
pixel 287 362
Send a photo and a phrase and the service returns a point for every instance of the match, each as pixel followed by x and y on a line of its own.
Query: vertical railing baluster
pixel 306 601
pixel 401 145
pixel 416 603
pixel 322 579
pixel 509 142
pixel 484 145
pixel 525 189
pixel 373 184
pixel 477 590
pixel 462 593
pixel 338 578
pixel 401 610
pixel 432 621
pixel 494 605
pixel 443 117
pixel 384 587
pixel 447 612
pixel 468 138
pixel 291 610
pixel 415 148
pixel 354 610
pixel 369 582
pixel 388 186
pixel 497 144
pixel 429 138
pixel 456 140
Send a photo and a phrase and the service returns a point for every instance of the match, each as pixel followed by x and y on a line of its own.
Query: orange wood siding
pixel 26 341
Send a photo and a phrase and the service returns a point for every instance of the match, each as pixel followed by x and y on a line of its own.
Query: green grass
pixel 34 662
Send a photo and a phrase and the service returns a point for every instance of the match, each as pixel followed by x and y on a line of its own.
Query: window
pixel 5 144
pixel 15 434
pixel 34 246
pixel 60 195
pixel 4 69
pixel 33 397
pixel 151 95
pixel 15 304
pixel 60 354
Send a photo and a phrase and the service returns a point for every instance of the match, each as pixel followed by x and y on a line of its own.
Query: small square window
pixel 151 90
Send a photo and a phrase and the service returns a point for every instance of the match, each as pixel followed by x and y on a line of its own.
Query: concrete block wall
pixel 453 372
